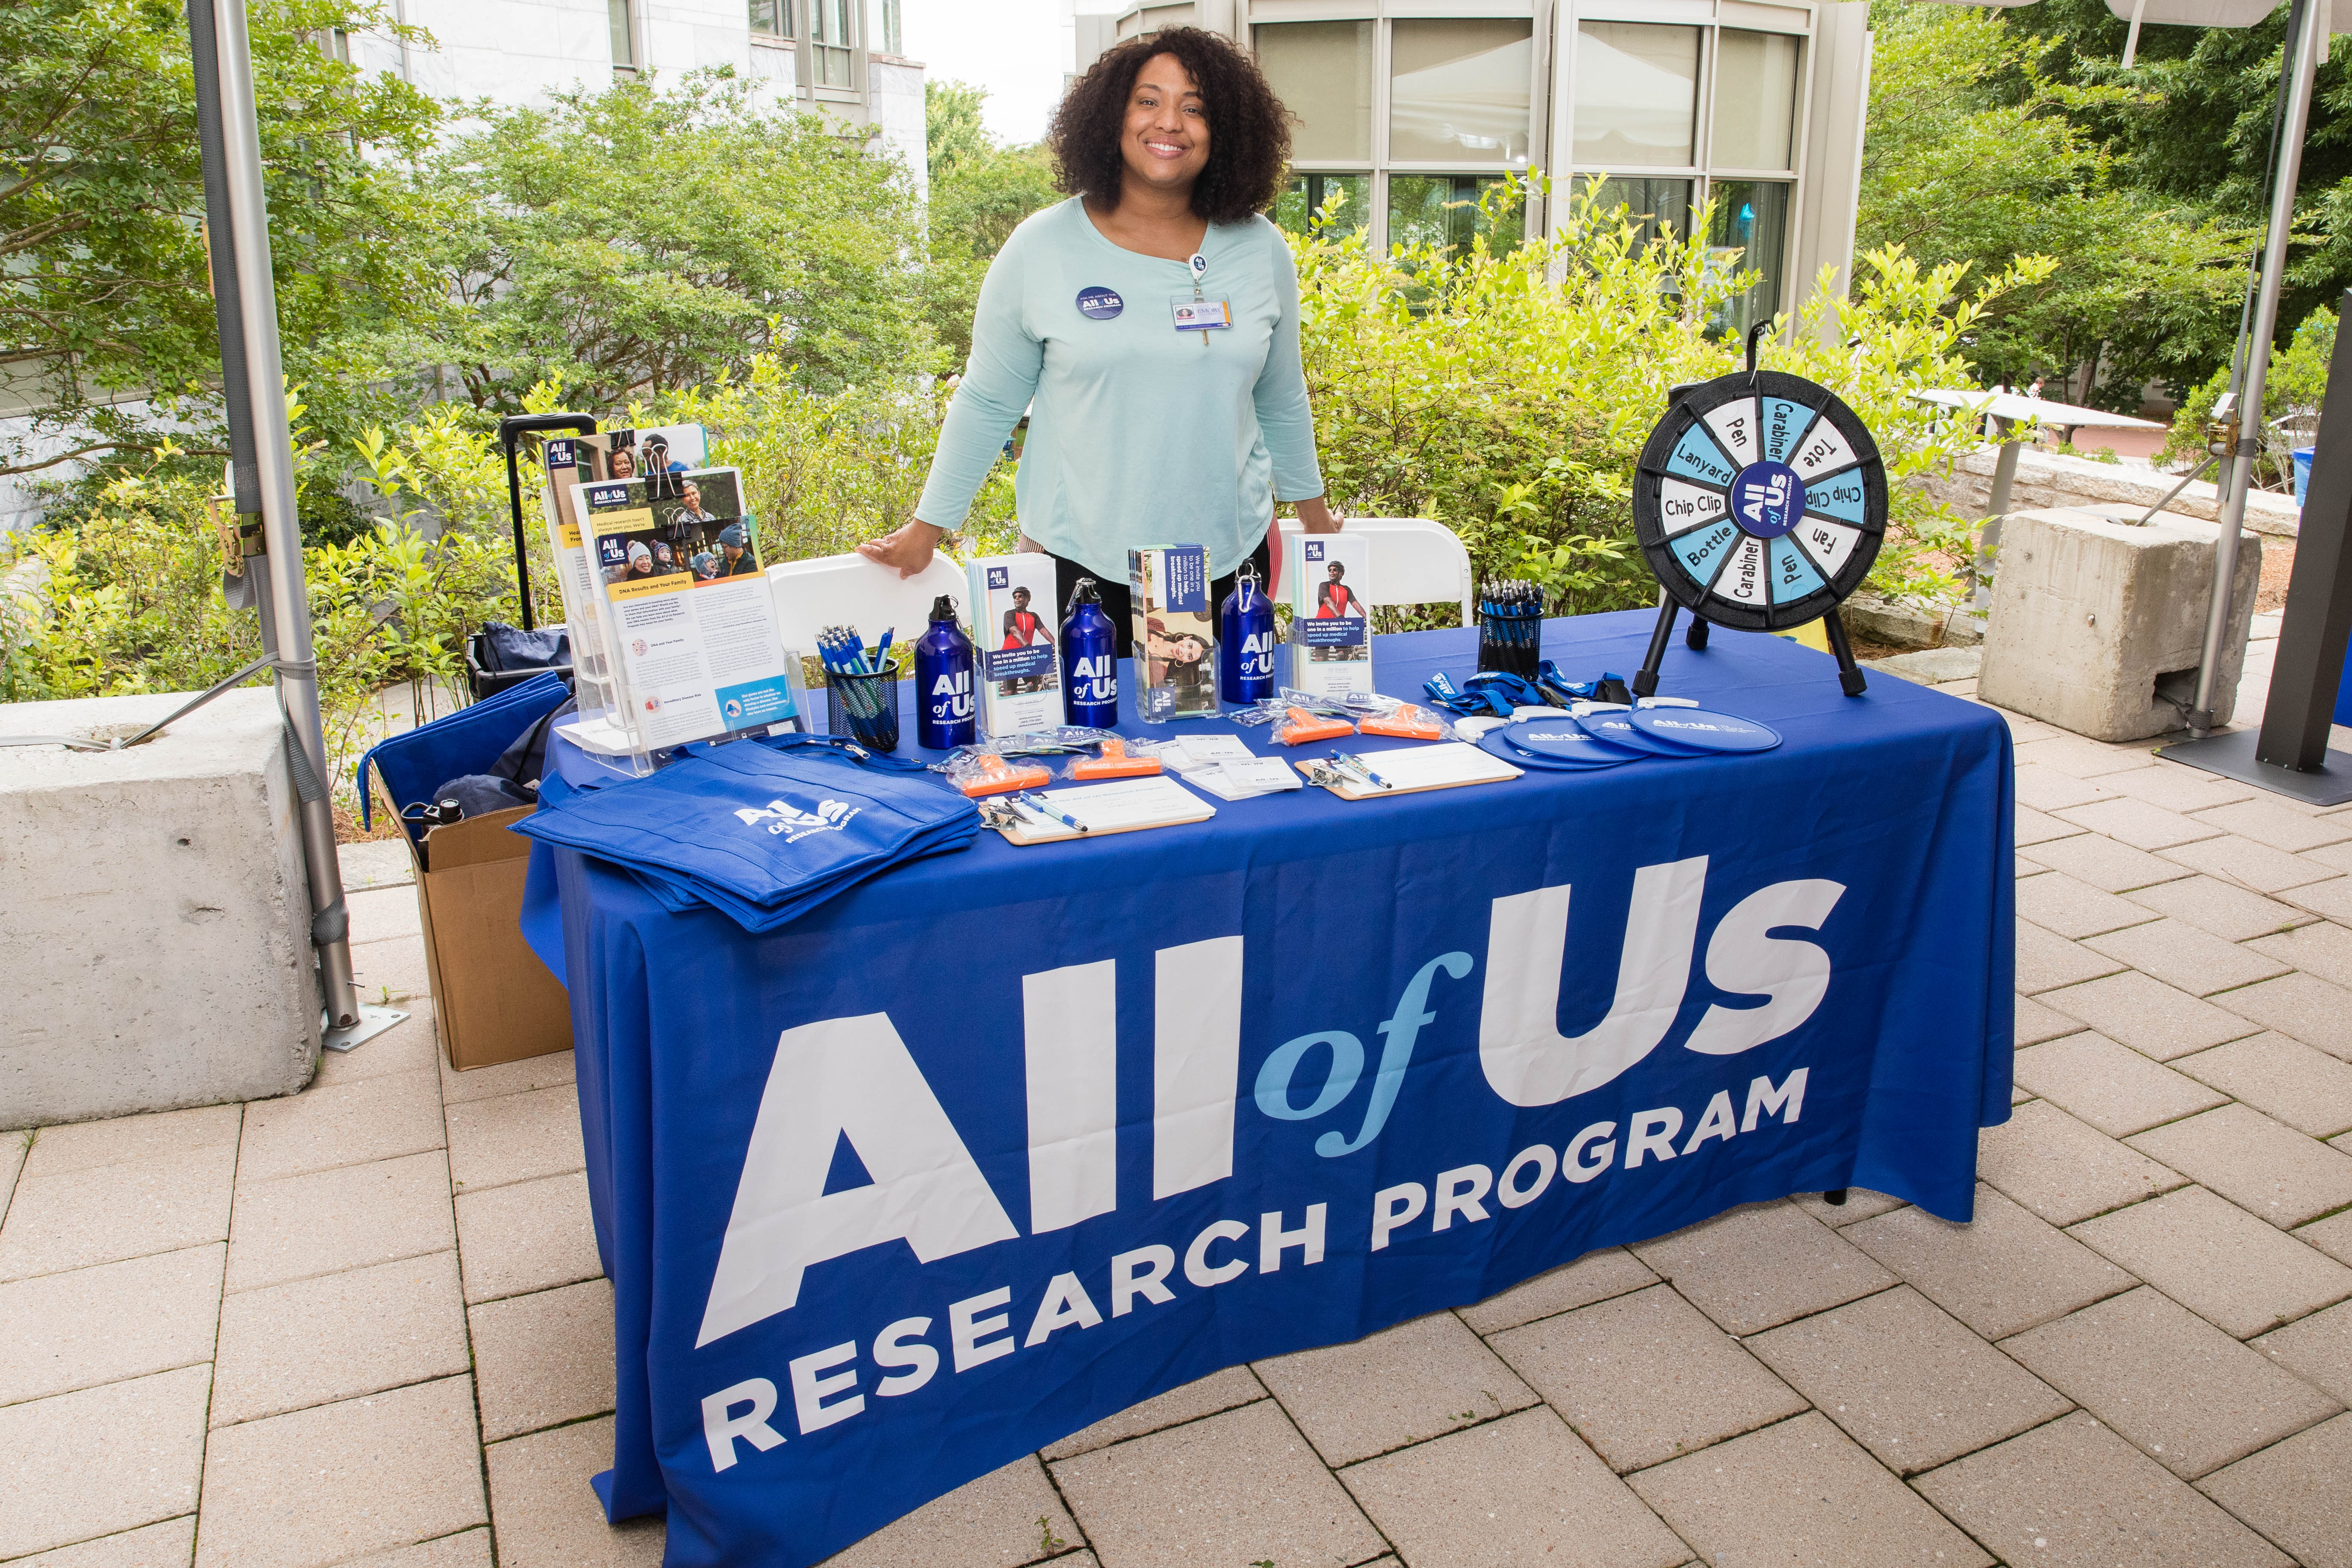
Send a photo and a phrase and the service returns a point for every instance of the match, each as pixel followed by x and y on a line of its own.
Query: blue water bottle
pixel 1089 660
pixel 943 688
pixel 1245 640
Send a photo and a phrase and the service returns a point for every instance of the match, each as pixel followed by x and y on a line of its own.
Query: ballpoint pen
pixel 1348 761
pixel 1038 803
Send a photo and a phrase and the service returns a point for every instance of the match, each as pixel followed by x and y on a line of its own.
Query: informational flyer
pixel 691 620
pixel 1013 623
pixel 1331 644
pixel 574 461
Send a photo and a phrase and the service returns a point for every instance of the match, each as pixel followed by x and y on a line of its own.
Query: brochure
pixel 1175 632
pixel 1014 625
pixel 1330 626
pixel 690 620
pixel 572 460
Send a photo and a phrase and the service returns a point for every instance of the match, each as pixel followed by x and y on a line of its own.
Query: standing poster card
pixel 1330 625
pixel 1014 626
pixel 691 621
pixel 573 460
pixel 1175 632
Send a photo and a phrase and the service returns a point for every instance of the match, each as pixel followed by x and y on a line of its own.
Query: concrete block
pixel 2092 614
pixel 156 912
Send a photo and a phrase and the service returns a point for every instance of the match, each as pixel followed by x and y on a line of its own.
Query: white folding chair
pixel 851 591
pixel 1415 561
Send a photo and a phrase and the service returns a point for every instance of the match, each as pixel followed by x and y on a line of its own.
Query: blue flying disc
pixel 1557 742
pixel 1614 728
pixel 1703 731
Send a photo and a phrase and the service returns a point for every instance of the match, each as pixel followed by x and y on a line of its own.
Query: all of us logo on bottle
pixel 950 696
pixel 1258 656
pixel 1097 679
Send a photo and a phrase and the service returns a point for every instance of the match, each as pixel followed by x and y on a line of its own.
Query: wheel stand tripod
pixel 1645 679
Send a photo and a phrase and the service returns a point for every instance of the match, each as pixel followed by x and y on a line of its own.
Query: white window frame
pixel 1712 18
pixel 1381 14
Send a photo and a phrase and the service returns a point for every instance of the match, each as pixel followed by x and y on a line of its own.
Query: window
pixel 1299 208
pixel 835 61
pixel 1322 71
pixel 625 43
pixel 1750 231
pixel 773 18
pixel 1460 89
pixel 1657 208
pixel 1442 209
pixel 1755 101
pixel 1636 95
pixel 893 28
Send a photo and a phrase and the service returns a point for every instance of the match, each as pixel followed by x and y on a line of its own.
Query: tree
pixel 2195 127
pixel 642 237
pixel 1973 154
pixel 980 190
pixel 106 316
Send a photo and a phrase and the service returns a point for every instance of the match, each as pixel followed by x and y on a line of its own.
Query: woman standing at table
pixel 1145 426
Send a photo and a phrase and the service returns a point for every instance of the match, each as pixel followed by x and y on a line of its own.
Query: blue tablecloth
pixel 1006 1140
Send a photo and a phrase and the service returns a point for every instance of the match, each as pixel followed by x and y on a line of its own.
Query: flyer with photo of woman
pixel 691 621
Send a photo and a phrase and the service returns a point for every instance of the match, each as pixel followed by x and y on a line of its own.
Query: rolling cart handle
pixel 510 430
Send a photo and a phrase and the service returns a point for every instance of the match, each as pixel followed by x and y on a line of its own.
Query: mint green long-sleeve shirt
pixel 1138 435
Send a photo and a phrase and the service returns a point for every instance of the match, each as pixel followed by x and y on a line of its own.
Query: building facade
pixel 1410 108
pixel 842 57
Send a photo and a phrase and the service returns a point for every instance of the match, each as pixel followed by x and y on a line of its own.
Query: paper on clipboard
pixel 1440 766
pixel 1156 801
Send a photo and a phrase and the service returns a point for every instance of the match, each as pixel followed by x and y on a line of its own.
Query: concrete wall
pixel 155 916
pixel 2047 479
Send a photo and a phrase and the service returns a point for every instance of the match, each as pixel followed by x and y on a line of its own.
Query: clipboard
pixel 1129 805
pixel 1449 764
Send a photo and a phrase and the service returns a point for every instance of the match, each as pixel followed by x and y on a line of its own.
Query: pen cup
pixel 865 707
pixel 1513 644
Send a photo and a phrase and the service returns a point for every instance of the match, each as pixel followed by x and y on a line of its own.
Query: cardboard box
pixel 493 1000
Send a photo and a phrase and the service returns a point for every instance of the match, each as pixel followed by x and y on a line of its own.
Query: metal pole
pixel 2004 478
pixel 288 603
pixel 2308 42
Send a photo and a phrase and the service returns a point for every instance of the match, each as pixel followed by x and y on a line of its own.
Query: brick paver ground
pixel 365 1324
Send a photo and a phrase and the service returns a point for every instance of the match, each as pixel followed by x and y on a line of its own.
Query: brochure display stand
pixel 592 458
pixel 687 615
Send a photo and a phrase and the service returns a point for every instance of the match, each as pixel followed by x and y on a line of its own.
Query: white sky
pixel 1015 48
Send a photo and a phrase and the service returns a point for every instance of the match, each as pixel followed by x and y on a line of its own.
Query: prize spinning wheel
pixel 1760 504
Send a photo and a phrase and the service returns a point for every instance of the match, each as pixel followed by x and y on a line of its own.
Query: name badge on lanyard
pixel 1195 312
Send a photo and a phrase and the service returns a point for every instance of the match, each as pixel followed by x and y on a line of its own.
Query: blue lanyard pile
pixel 1498 693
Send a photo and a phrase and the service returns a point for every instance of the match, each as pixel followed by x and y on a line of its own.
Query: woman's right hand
pixel 909 547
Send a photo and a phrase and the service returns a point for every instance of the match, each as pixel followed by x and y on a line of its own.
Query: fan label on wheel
pixel 1767 498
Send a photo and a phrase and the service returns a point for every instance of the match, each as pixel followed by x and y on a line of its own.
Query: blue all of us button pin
pixel 1703 731
pixel 1099 304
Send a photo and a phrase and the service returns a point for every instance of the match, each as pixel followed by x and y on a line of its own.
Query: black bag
pixel 500 656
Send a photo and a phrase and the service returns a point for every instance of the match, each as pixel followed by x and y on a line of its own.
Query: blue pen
pixel 882 650
pixel 1038 802
pixel 1359 764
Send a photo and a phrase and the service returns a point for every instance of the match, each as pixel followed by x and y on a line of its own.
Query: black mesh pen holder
pixel 1510 628
pixel 865 707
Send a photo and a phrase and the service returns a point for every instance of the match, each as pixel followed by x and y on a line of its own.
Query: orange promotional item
pixel 996 777
pixel 1407 723
pixel 1299 726
pixel 1114 763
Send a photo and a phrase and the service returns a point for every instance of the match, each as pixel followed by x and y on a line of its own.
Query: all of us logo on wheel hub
pixel 1768 500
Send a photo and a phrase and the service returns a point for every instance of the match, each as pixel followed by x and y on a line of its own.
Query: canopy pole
pixel 2303 47
pixel 287 604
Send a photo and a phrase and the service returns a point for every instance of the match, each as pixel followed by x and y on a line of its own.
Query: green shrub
pixel 1507 395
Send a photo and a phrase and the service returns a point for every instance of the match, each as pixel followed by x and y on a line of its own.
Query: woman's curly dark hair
pixel 1249 130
